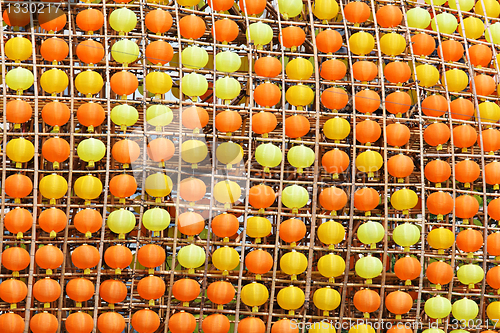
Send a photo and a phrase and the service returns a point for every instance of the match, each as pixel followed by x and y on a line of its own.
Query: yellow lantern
pixel 326 299
pixel 465 309
pixel 260 34
pixel 406 235
pixel 193 151
pixel 258 227
pixel 404 200
pixel 418 18
pixel 322 327
pixel 492 33
pixel 301 157
pixel 53 187
pixel 91 151
pixel 295 197
pixel 88 188
pixel 20 151
pixel 122 20
pixel 362 328
pixel 54 81
pixel 427 75
pixel 446 22
pixel 227 88
pixel 291 298
pixel 331 266
pixel 368 268
pixel 191 257
pixel 369 161
pixel 299 96
pixel 456 80
pixel 470 274
pixel 474 28
pixel 371 233
pixel 194 85
pixel 440 239
pixel 124 115
pixel 125 51
pixel 159 115
pixel 194 57
pixel 156 220
pixel 187 3
pixel 290 8
pixel 19 79
pixel 158 185
pixel 299 69
pixel 268 155
pixel 325 9
pixel 121 222
pixel 489 112
pixel 492 8
pixel 229 153
pixel 225 259
pixel 18 49
pixel 89 83
pixel 361 43
pixel 392 44
pixel 493 312
pixel 331 233
pixel 337 129
pixel 437 307
pixel 293 263
pixel 465 5
pixel 158 83
pixel 227 192
pixel 227 61
pixel 254 295
pixel 435 2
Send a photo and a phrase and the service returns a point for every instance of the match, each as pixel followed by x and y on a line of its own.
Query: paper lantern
pixel 446 22
pixel 368 132
pixel 368 268
pixel 290 9
pixel 389 16
pixel 492 33
pixel 16 20
pixel 364 70
pixel 331 233
pixel 492 174
pixel 366 301
pixel 20 151
pixel 465 309
pixel 251 324
pixel 18 186
pixel 451 50
pixel 124 83
pixel 264 122
pixel 361 43
pixel 297 126
pixel 397 72
pixel 79 322
pixel 54 81
pixel 122 186
pixel 156 220
pixel 192 189
pixel 437 171
pixel 261 197
pixel 366 199
pixel 357 12
pixel 492 277
pixel 229 153
pixel 489 112
pixel 293 263
pixel 216 323
pixel 55 150
pixel 370 233
pixel 299 96
pixel 480 55
pixel 18 49
pixel 227 192
pixel 227 61
pixel 392 44
pixel 258 227
pixel 407 269
pixel 15 259
pixel 192 27
pixel 91 151
pixel 400 166
pixel 440 239
pixel 18 112
pixel 228 121
pixel 55 114
pixel 295 197
pixel 404 200
pixel 193 152
pixel 227 88
pixel 54 50
pixel 398 102
pixel 88 188
pixel 260 34
pixel 292 231
pixel 440 204
pixel 299 69
pixel 267 67
pixel 19 79
pixel 367 101
pixel 258 262
pixel 220 293
pixel 46 291
pixel 464 136
pixel 333 199
pixel 191 257
pixel 53 187
pixel 13 291
pixel 121 222
pixel 456 80
pixel 336 129
pixel 158 185
pixel 180 322
pixel 124 115
pixel 437 307
pixel 437 134
pixel 439 273
pixel 11 322
pixel 44 322
pixel 194 57
pixel 225 225
pixel 158 83
pixel 252 7
pixel 300 157
pixel 85 257
pixel 122 20
pixel 434 106
pixel 331 266
pixel 325 10
pixel 159 52
pixel 335 161
pixel 225 259
pixel 111 322
pixel 91 115
pixel 147 321
pixel 399 303
pixel 469 240
pixel 406 235
pixel 254 295
pixel 90 20
pixel 195 118
pixel 151 288
pixel 190 223
pixel 466 206
pixel 329 41
pixel 18 221
pixel 268 155
pixel 334 98
pixel 326 299
pixel 369 161
pixel 470 274
pixel 52 221
pixel 51 18
pixel 423 44
pixel 493 312
pixel 151 256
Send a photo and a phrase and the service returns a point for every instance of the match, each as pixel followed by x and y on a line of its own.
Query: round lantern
pixel 470 274
pixel 220 293
pixel 20 151
pixel 437 307
pixel 258 227
pixel 44 322
pixel 18 49
pixel 260 34
pixel 54 81
pixel 90 20
pixel 13 291
pixel 122 186
pixel 335 161
pixel 111 322
pixel 437 134
pixel 331 233
pixel 151 256
pixel 11 322
pixel 19 79
pixel 368 268
pixel 439 273
pixel 254 295
pixel 122 20
pixel 80 290
pixel 404 200
pixel 225 259
pixel 18 112
pixel 325 10
pixel 300 157
pixel 336 129
pixel 400 166
pixel 366 301
pixel 121 221
pixel 369 161
pixel 406 235
pixel 366 199
pixel 191 257
pixel 49 258
pixel 295 197
pixel 370 233
pixel 259 262
pixel 407 269
pixel 361 43
pixel 18 221
pixel 399 303
pixel 85 257
pixel 299 96
pixel 465 309
pixel 368 132
pixel 156 220
pixel 326 299
pixel 229 153
pixel 53 187
pixel 440 239
pixel 333 199
pixel 440 204
pixel 91 151
pixel 46 291
pixel 331 266
pixel 52 221
pixel 293 263
pixel 124 115
pixel 55 150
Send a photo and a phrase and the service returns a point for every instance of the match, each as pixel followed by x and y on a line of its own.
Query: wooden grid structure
pixel 248 173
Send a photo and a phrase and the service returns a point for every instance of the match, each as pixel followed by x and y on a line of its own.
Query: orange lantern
pixel 398 302
pixel 335 161
pixel 126 152
pixel 158 21
pixel 439 273
pixel 78 322
pixel 220 5
pixel 55 150
pixel 467 171
pixel 56 114
pixel 18 186
pixel 190 224
pixel 493 278
pixel 113 291
pixel 366 199
pixel 150 256
pixel 491 140
pixel 263 123
pixel 111 322
pixel 159 52
pixel 484 84
pixel 451 50
pixel 407 269
pixel 366 301
pixel 181 322
pixel 192 27
pixel 436 135
pixel 216 323
pixel 493 243
pixel 90 51
pixel 284 326
pixel 251 324
pixel 267 94
pixel 480 55
pixel 466 206
pixel 18 112
pixel 469 240
pixel 52 19
pixel 151 288
pixel 400 166
pixel 439 203
pixel 85 257
pixel 367 101
pixel 259 262
pixel 160 150
pixel 88 221
pixel 334 98
pixel 192 189
pixel 90 20
pixel 267 67
pixel 389 16
pixel 357 12
pixel 492 174
pixel 423 44
pixel 364 70
pixel 220 293
pixel 261 197
pixel 462 109
pixel 397 135
pixel 228 121
pixel 14 19
pixel 54 50
pixel 225 225
pixel 293 37
pixel 118 257
pixel 147 321
pixel 225 30
pixel 195 118
pixel 13 291
pixel 292 231
pixel 11 322
pixel 398 102
pixel 464 136
pixel 49 257
pixel 494 213
pixel 80 290
pixel 333 199
pixel 297 126
pixel 52 221
pixel 434 106
pixel 253 7
pixel 186 290
pixel 15 259
pixel 91 115
pixel 397 72
pixel 329 41
pixel 368 132
pixel 437 171
pixel 18 221
pixel 124 83
pixel 43 322
pixel 46 291
pixel 333 70
pixel 123 186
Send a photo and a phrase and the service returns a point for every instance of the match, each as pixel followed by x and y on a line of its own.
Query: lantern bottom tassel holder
pixel 220 307
pixel 151 302
pixel 19 235
pixel 408 283
pixel 258 277
pixel 366 315
pixel 255 309
pixel 291 313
